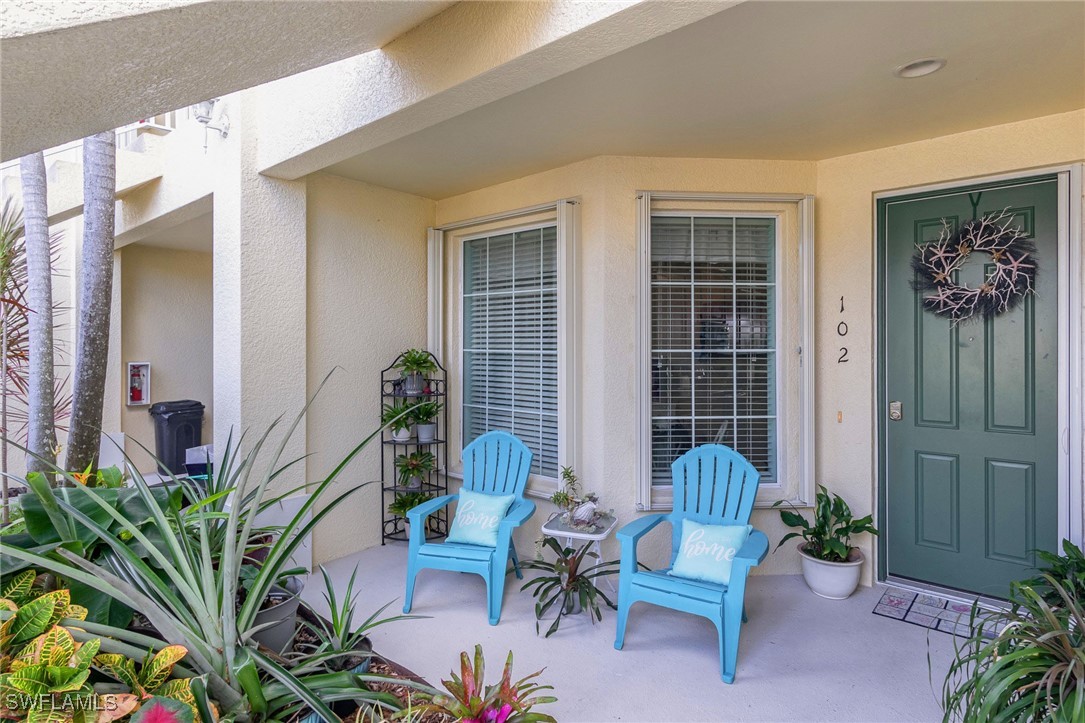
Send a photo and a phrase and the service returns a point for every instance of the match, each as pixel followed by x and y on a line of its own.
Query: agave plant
pixel 1022 664
pixel 186 582
pixel 470 700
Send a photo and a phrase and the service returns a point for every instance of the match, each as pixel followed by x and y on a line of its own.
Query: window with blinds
pixel 713 340
pixel 510 341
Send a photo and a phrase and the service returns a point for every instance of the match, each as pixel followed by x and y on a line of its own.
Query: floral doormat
pixel 925 610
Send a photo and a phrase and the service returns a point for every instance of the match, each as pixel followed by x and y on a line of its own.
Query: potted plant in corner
pixel 399 419
pixel 830 564
pixel 414 366
pixel 405 501
pixel 413 467
pixel 425 421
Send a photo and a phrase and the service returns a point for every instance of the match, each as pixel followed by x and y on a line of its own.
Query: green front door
pixel 970 468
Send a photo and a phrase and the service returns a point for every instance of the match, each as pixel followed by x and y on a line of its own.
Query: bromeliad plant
pixel 829 537
pixel 1024 664
pixel 567 583
pixel 470 700
pixel 412 468
pixel 186 583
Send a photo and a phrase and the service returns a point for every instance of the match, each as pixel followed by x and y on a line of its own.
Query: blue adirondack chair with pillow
pixel 714 491
pixel 491 505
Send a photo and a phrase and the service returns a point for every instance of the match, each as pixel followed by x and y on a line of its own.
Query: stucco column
pixel 259 290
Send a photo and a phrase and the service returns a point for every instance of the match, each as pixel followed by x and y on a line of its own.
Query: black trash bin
pixel 177 426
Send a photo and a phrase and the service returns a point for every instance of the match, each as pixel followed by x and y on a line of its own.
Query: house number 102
pixel 842 331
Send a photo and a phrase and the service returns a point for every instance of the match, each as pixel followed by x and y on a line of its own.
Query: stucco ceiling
pixel 772 80
pixel 68 70
pixel 196 234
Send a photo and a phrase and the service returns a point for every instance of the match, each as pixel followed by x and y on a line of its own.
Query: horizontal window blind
pixel 510 341
pixel 713 344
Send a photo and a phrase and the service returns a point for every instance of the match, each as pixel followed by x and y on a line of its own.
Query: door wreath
pixel 1010 281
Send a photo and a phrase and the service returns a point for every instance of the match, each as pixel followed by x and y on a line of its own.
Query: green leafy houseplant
pixel 829 537
pixel 567 583
pixel 470 700
pixel 568 496
pixel 1022 664
pixel 187 586
pixel 46 656
pixel 425 412
pixel 1068 568
pixel 414 467
pixel 398 416
pixel 416 361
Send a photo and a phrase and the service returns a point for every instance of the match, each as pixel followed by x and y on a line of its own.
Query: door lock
pixel 895 412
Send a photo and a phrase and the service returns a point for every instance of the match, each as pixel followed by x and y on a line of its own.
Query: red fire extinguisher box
pixel 138 383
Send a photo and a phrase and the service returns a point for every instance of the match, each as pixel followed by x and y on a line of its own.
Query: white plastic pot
pixel 833 580
pixel 426 432
pixel 401 435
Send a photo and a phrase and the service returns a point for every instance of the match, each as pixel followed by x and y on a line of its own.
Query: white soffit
pixel 768 80
pixel 68 70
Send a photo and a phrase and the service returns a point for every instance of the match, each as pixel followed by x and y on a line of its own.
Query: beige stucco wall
pixel 844 189
pixel 845 267
pixel 166 319
pixel 366 303
pixel 606 292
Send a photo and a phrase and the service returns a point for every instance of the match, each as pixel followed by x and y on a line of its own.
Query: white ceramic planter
pixel 401 435
pixel 426 432
pixel 833 580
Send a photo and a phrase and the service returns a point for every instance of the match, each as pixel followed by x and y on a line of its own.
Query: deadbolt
pixel 895 411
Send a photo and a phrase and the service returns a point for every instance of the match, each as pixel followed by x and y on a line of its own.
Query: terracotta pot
pixel 832 580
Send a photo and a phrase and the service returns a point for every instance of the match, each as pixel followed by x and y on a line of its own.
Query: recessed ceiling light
pixel 919 68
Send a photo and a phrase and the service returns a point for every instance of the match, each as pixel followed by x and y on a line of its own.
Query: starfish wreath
pixel 1010 281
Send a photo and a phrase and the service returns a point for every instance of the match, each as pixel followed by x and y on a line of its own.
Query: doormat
pixel 926 610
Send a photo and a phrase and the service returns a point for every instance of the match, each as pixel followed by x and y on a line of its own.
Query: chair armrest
pixel 629 535
pixel 520 512
pixel 419 512
pixel 754 549
pixel 638 528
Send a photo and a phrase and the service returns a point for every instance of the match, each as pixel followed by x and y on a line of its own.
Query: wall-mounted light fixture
pixel 209 113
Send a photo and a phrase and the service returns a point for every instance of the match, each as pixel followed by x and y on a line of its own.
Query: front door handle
pixel 895 411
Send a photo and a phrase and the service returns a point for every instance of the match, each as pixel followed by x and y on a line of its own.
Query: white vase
pixel 832 580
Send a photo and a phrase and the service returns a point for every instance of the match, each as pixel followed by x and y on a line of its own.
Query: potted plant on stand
pixel 830 564
pixel 578 508
pixel 413 467
pixel 424 415
pixel 399 419
pixel 414 366
pixel 404 502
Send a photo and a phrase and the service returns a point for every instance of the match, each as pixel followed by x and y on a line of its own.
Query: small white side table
pixel 555 527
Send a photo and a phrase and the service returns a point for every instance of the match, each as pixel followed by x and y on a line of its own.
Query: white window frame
pixel 564 214
pixel 651 497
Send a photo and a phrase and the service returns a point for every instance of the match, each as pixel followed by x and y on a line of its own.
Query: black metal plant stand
pixel 394 390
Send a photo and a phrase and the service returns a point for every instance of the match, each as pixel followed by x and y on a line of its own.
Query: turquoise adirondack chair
pixel 496 463
pixel 713 484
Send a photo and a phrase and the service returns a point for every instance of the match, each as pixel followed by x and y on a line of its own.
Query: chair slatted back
pixel 496 463
pixel 713 484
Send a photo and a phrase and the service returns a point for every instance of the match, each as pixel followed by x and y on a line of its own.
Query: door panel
pixel 971 469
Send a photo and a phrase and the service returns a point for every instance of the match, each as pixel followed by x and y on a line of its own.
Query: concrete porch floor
pixel 802 658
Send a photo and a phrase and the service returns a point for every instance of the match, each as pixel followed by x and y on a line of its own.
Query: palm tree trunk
pixel 95 296
pixel 41 434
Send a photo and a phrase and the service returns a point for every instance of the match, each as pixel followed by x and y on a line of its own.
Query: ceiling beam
pixel 460 60
pixel 68 70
